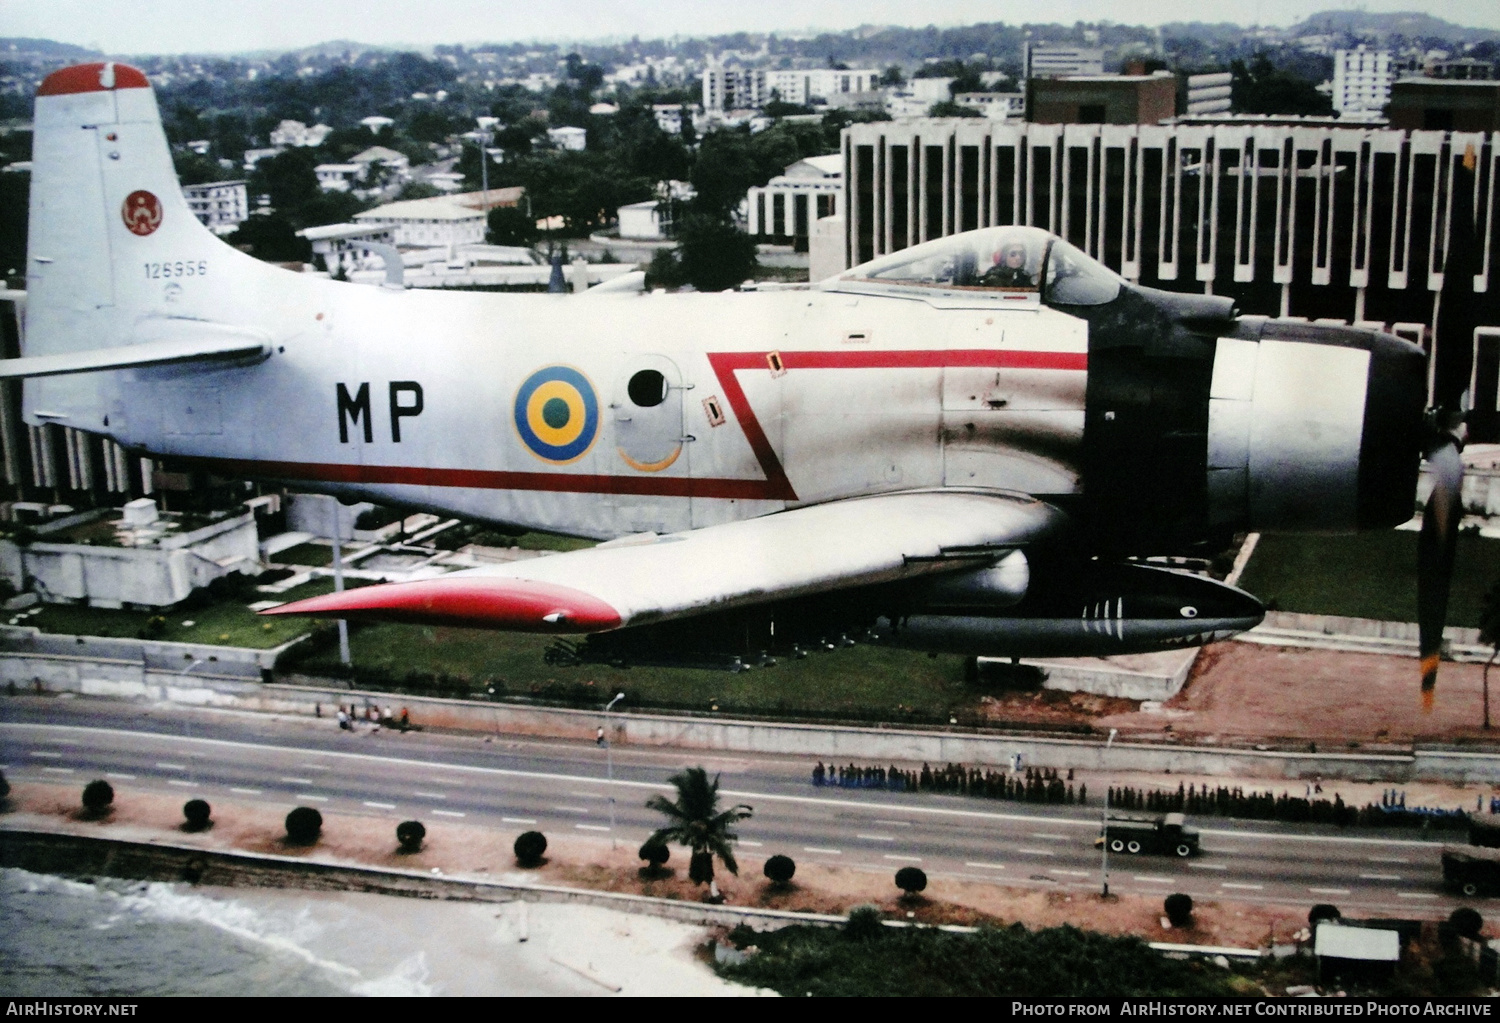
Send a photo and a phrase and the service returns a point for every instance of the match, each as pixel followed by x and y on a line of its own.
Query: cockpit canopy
pixel 1003 262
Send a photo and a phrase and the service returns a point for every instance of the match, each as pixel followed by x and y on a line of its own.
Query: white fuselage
pixel 771 400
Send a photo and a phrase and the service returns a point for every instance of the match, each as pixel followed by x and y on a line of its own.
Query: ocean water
pixel 113 937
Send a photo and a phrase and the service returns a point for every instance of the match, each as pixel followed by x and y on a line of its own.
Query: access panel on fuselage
pixel 1013 403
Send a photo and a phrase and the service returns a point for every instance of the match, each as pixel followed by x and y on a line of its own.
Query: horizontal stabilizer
pixel 150 353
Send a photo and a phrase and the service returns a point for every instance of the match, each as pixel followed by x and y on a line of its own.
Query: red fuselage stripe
pixel 726 365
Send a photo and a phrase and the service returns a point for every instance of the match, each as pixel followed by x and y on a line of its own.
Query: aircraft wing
pixel 648 578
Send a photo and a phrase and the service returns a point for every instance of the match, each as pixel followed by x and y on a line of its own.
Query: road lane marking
pixel 818 801
pixel 1329 891
pixel 315 767
pixel 247 792
pixel 1209 866
pixel 1415 895
pixel 903 859
pixel 1054 838
pixel 118 776
pixel 45 755
pixel 58 770
pixel 587 795
pixel 572 809
pixel 1388 859
pixel 518 820
pixel 182 784
pixel 592 827
pixel 1069 873
pixel 296 781
pixel 826 852
pixel 430 795
pixel 380 806
pixel 1242 887
pixel 171 767
pixel 895 824
pixel 1148 879
pixel 986 866
pixel 1381 877
pixel 312 798
pixel 1037 852
pixel 750 844
pixel 447 813
pixel 876 838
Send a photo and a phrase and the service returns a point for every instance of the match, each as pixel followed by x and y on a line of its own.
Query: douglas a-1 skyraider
pixel 971 445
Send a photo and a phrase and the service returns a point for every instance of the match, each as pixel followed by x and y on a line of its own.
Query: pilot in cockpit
pixel 1010 268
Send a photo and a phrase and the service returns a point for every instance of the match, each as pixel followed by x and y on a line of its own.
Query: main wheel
pixel 1183 849
pixel 1133 847
pixel 1470 889
pixel 1116 845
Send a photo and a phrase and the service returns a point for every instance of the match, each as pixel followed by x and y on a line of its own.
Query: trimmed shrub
pixel 911 880
pixel 780 869
pixel 1466 922
pixel 410 834
pixel 656 854
pixel 864 923
pixel 303 825
pixel 1322 912
pixel 1179 909
pixel 529 848
pixel 98 795
pixel 196 812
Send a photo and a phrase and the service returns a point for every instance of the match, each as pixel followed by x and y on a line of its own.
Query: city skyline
pixel 239 26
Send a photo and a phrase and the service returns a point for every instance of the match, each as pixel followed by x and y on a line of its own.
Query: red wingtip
pixel 517 605
pixel 100 77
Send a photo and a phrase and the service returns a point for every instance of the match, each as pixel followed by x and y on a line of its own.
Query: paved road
pixel 512 782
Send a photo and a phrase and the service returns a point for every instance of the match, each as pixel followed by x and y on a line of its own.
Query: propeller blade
pixel 1435 549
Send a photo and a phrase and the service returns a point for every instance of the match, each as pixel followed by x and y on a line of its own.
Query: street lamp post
pixel 338 579
pixel 609 766
pixel 1104 846
pixel 483 138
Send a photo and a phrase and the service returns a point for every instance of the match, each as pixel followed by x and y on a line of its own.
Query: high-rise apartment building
pixel 1362 80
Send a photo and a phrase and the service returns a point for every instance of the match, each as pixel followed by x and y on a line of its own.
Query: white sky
pixel 230 26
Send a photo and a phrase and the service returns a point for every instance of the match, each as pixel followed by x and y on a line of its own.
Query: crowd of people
pixel 1048 785
pixel 371 715
pixel 1031 785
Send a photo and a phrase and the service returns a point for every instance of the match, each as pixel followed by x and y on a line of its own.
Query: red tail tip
pixel 101 77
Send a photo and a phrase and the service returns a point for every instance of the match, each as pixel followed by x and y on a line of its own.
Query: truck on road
pixel 1165 834
pixel 1471 870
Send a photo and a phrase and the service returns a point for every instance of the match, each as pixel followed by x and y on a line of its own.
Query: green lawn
pixel 308 555
pixel 223 623
pixel 1365 575
pixel 855 682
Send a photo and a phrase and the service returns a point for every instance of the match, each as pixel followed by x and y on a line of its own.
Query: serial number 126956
pixel 181 268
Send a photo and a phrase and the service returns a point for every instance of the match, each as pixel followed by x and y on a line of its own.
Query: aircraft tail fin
pixel 112 241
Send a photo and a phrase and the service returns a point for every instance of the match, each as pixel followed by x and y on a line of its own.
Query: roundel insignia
pixel 141 212
pixel 557 414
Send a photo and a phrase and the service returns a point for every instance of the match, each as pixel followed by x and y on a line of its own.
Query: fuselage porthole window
pixel 647 389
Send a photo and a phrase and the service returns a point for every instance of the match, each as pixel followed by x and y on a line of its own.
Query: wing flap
pixel 646 579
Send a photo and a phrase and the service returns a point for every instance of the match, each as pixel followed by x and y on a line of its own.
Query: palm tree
pixel 697 822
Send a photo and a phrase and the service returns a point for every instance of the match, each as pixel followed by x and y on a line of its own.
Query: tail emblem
pixel 141 212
